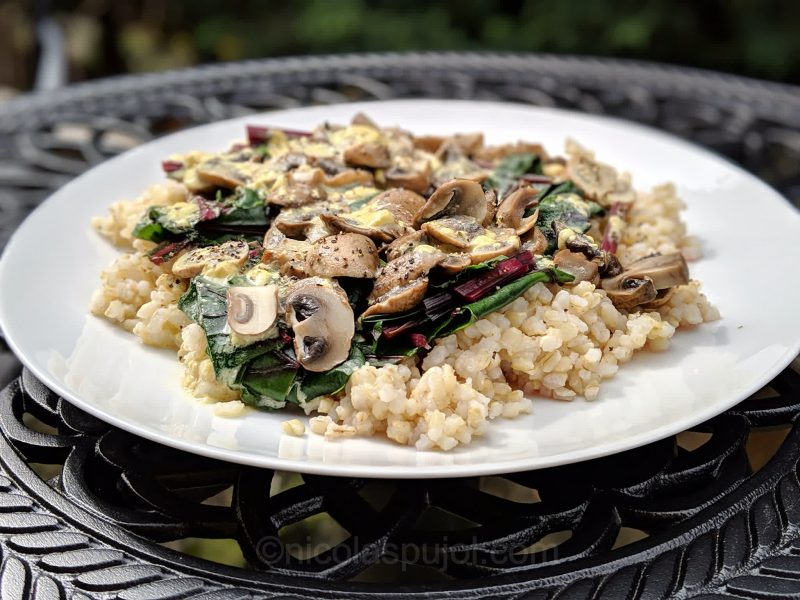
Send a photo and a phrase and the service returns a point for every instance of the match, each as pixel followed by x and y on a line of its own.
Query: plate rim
pixel 399 471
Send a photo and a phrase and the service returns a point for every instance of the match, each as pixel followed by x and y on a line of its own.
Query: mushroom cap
pixel 293 222
pixel 641 282
pixel 316 230
pixel 405 243
pixel 399 299
pixel 454 197
pixel 343 255
pixel 386 217
pixel 287 253
pixel 630 292
pixel 665 270
pixel 511 212
pixel 413 174
pixel 457 230
pixel 535 241
pixel 221 173
pixel 361 118
pixel 252 310
pixel 296 194
pixel 403 204
pixel 491 206
pixel 314 176
pixel 350 177
pixel 594 178
pixel 323 323
pixel 195 261
pixel 404 270
pixel 372 155
pixel 497 241
pixel 469 143
pixel 348 224
pixel 498 153
pixel 455 263
pixel 577 265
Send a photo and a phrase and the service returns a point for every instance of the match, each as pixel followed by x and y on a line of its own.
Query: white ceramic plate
pixel 749 232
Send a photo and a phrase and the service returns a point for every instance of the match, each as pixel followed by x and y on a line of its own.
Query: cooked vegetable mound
pixel 414 287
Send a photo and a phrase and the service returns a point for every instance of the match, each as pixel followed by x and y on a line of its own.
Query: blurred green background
pixel 107 37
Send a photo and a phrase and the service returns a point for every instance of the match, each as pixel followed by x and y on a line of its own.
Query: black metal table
pixel 87 510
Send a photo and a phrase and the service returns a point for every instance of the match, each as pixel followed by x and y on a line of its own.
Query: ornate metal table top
pixel 89 511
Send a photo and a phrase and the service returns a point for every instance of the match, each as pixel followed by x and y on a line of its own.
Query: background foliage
pixel 105 37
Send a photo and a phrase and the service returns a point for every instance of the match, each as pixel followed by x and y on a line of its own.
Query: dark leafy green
pixel 267 376
pixel 511 168
pixel 330 382
pixel 357 290
pixel 569 209
pixel 205 302
pixel 468 314
pixel 266 380
pixel 157 225
pixel 245 208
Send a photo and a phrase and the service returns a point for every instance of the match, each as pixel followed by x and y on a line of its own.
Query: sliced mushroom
pixel 469 143
pixel 405 243
pixel 384 218
pixel 399 299
pixel 491 207
pixel 455 165
pixel 455 263
pixel 404 270
pixel 456 197
pixel 288 161
pixel 577 265
pixel 458 231
pixel 594 178
pixel 662 298
pixel 609 264
pixel 252 310
pixel 362 119
pixel 497 153
pixel 511 212
pixel 312 177
pixel 403 204
pixel 343 255
pixel 535 241
pixel 318 312
pixel 195 261
pixel 350 177
pixel 641 282
pixel 296 194
pixel 385 232
pixel 666 270
pixel 414 175
pixel 428 143
pixel 372 155
pixel 294 222
pixel 450 151
pixel 288 254
pixel 497 241
pixel 222 174
pixel 631 292
pixel 402 282
pixel 317 230
pixel 567 237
